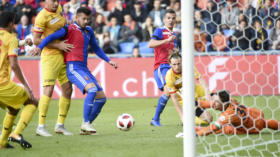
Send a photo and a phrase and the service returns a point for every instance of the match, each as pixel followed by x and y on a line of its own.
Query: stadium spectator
pixel 32 3
pixel 219 42
pixel 250 12
pixel 202 4
pixel 267 15
pixel 74 5
pixel 99 25
pixel 119 11
pixel 199 40
pixel 5 6
pixel 67 14
pixel 230 14
pixel 130 31
pixel 157 14
pixel 114 30
pixel 211 16
pixel 107 45
pixel 240 40
pixel 177 8
pixel 148 29
pixel 198 20
pixel 23 29
pixel 260 37
pixel 21 8
pixel 136 53
pixel 212 13
pixel 274 36
pixel 138 13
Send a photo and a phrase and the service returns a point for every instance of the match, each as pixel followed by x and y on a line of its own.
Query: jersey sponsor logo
pixel 86 77
pixel 55 20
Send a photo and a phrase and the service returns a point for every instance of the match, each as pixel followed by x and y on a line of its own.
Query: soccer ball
pixel 125 122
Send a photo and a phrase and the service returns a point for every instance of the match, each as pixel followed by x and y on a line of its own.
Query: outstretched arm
pixel 177 105
pixel 56 35
pixel 99 52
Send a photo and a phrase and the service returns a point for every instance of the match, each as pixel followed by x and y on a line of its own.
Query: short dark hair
pixel 83 10
pixel 224 96
pixel 175 56
pixel 6 17
pixel 170 11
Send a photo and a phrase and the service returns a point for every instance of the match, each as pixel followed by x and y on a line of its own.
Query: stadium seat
pixel 144 48
pixel 127 47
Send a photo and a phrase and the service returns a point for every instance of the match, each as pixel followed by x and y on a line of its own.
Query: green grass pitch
pixel 142 141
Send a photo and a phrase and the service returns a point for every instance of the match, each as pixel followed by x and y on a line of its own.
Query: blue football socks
pixel 97 106
pixel 88 103
pixel 160 106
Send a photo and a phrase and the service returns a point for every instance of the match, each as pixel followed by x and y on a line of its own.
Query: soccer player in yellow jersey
pixel 53 68
pixel 173 80
pixel 13 96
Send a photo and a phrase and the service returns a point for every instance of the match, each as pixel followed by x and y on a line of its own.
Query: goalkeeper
pixel 235 118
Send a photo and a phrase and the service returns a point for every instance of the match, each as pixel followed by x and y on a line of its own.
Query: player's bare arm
pixel 155 43
pixel 177 105
pixel 17 70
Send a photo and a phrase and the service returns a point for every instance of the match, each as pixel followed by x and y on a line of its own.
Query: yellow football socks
pixel 64 105
pixel 7 128
pixel 25 117
pixel 43 108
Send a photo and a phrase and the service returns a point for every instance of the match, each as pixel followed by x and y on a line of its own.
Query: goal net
pixel 237 48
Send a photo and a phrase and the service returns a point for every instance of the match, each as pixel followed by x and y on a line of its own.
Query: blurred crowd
pixel 114 21
pixel 236 25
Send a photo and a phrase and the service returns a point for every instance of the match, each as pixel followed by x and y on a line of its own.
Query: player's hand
pixel 35 51
pixel 171 38
pixel 63 46
pixel 114 64
pixel 28 42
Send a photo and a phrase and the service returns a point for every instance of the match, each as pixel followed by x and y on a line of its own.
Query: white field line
pixel 237 149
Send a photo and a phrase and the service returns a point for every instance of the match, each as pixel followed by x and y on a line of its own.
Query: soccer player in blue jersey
pixel 81 36
pixel 164 43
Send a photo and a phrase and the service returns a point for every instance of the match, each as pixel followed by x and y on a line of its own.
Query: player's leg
pixel 44 103
pixel 98 104
pixel 7 127
pixel 50 67
pixel 25 117
pixel 64 100
pixel 159 75
pixel 79 76
pixel 64 105
pixel 12 96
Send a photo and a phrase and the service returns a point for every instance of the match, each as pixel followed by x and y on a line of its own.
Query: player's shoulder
pixel 9 37
pixel 169 75
pixel 88 28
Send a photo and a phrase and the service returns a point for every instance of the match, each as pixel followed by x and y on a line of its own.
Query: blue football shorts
pixel 159 75
pixel 80 75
